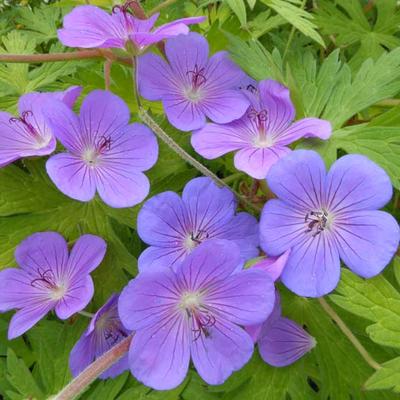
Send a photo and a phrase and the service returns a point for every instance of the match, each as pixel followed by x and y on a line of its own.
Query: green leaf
pixel 239 8
pixel 388 377
pixel 21 379
pixel 297 17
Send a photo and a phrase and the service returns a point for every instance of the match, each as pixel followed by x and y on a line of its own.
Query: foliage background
pixel 341 61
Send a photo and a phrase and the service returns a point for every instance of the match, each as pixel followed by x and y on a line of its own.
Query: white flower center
pixel 194 95
pixel 58 292
pixel 91 157
pixel 263 141
pixel 190 301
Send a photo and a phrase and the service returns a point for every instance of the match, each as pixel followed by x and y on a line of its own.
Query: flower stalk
pixel 94 370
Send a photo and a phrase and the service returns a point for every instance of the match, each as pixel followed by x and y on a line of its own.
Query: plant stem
pixel 86 314
pixel 94 370
pixel 135 80
pixel 162 5
pixel 349 334
pixel 107 74
pixel 53 57
pixel 188 158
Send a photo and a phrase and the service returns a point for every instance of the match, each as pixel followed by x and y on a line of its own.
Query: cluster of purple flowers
pixel 194 298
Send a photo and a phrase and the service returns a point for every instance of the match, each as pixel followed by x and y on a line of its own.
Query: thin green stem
pixel 135 80
pixel 94 370
pixel 349 334
pixel 161 134
pixel 107 74
pixel 161 6
pixel 291 35
pixel 86 314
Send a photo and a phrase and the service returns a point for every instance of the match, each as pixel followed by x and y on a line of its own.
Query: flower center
pixel 259 121
pixel 113 332
pixel 317 221
pixel 201 319
pixel 46 280
pixel 29 128
pixel 197 77
pixel 92 155
pixel 194 239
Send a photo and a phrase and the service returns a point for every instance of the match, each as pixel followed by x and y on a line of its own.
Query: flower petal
pixel 257 162
pixel 155 78
pixel 103 114
pixel 245 298
pixel 281 227
pixel 165 368
pixel 273 266
pixel 275 98
pixel 356 183
pixel 213 260
pixel 82 354
pixel 209 207
pixel 71 176
pixel 86 255
pixel 313 267
pixel 162 220
pixel 44 250
pixel 283 342
pixel 305 128
pixel 224 351
pixel 147 298
pixel 367 240
pixel 79 292
pixel 156 257
pixel 89 26
pixel 24 319
pixel 214 140
pixel 299 180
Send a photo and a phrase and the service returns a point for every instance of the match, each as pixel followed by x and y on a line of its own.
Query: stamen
pixel 197 76
pixel 203 322
pixel 124 8
pixel 113 334
pixel 316 222
pixel 104 144
pixel 23 119
pixel 199 236
pixel 46 279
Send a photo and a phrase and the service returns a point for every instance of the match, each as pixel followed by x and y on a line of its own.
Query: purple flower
pixel 194 313
pixel 324 217
pixel 192 86
pixel 104 332
pixel 281 341
pixel 49 278
pixel 175 226
pixel 263 134
pixel 105 154
pixel 29 134
pixel 90 26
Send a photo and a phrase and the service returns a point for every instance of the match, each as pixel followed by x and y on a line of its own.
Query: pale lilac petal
pixel 65 125
pixel 162 220
pixel 182 113
pixel 227 349
pixel 147 298
pixel 281 227
pixel 16 290
pixel 243 230
pixel 273 266
pixel 89 26
pixel 156 257
pixel 184 52
pixel 86 255
pixel 159 355
pixel 276 100
pixel 79 292
pixel 24 319
pixel 244 298
pixel 69 96
pixel 313 267
pixel 120 187
pixel 72 176
pixel 214 260
pixel 299 180
pixel 213 140
pixel 367 241
pixel 256 161
pixel 254 331
pixel 224 105
pixel 209 207
pixel 82 354
pixel 44 250
pixel 155 78
pixel 284 342
pixel 305 128
pixel 356 183
pixel 103 114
